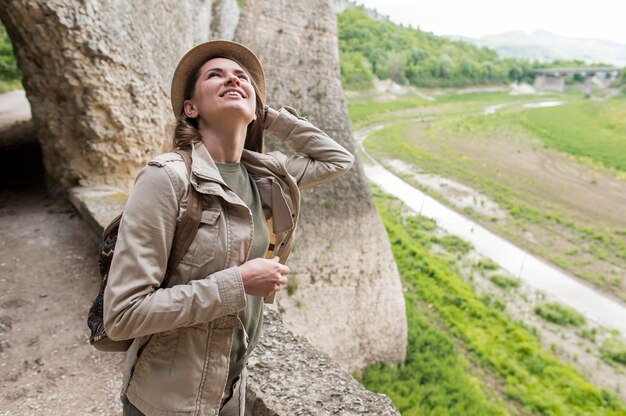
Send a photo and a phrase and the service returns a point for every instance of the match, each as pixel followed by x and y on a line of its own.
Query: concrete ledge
pixel 98 205
pixel 287 375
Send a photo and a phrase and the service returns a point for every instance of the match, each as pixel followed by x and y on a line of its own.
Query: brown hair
pixel 186 131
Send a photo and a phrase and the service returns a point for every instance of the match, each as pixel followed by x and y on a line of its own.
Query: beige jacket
pixel 178 362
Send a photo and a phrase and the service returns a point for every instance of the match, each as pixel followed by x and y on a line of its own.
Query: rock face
pixel 97 75
pixel 345 295
pixel 225 18
pixel 288 377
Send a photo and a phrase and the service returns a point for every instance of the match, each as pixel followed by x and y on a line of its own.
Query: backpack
pixel 183 236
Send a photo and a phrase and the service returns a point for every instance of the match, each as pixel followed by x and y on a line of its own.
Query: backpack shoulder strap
pixel 188 227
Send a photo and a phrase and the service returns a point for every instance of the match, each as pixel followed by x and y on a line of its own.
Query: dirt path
pixel 48 277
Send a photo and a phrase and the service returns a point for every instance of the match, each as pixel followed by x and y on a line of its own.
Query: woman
pixel 193 337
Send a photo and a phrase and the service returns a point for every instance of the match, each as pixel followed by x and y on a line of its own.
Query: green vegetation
pixel 613 350
pixel 367 111
pixel 486 264
pixel 594 130
pixel 408 55
pixel 453 244
pixel 559 314
pixel 436 146
pixel 434 379
pixel 355 72
pixel 10 76
pixel 523 377
pixel 505 282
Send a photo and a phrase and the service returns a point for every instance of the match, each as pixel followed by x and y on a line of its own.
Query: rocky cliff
pixel 97 76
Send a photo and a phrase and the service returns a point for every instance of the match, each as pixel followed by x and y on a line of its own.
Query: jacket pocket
pixel 202 249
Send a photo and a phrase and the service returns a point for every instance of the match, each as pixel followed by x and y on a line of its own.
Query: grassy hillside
pixel 466 357
pixel 370 47
pixel 595 130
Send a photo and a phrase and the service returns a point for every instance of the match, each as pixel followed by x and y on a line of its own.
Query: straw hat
pixel 212 49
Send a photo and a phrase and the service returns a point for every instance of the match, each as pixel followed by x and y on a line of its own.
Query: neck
pixel 224 143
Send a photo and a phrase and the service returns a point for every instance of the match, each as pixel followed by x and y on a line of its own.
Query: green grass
pixel 527 377
pixel 505 282
pixel 559 314
pixel 367 108
pixel 365 111
pixel 589 130
pixel 453 244
pixel 486 264
pixel 431 154
pixel 434 379
pixel 613 350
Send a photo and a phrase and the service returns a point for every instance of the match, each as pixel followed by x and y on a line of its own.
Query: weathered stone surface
pixel 97 76
pixel 288 377
pixel 98 204
pixel 348 300
pixel 225 19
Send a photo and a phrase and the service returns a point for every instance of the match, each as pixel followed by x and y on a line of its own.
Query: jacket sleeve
pixel 134 305
pixel 318 158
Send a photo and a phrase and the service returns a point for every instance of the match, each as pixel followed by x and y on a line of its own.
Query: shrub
pixel 486 264
pixel 504 282
pixel 454 244
pixel 614 350
pixel 559 314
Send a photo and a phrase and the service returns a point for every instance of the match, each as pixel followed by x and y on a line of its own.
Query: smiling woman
pixel 193 327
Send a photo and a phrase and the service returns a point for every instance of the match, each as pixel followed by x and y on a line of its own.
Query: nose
pixel 233 78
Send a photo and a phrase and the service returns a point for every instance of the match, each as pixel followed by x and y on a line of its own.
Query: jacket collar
pixel 202 164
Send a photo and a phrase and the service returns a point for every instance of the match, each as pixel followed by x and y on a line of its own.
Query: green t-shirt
pixel 241 183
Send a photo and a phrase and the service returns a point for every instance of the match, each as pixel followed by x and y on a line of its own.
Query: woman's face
pixel 223 91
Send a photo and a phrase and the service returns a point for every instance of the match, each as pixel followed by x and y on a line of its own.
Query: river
pixel 534 271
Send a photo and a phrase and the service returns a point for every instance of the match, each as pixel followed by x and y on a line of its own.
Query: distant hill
pixel 546 46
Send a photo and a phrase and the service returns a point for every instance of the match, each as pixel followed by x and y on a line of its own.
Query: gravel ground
pixel 48 278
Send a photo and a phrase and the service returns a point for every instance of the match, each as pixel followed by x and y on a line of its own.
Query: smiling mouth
pixel 233 93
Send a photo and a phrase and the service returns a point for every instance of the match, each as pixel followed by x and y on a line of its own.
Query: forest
pixel 371 47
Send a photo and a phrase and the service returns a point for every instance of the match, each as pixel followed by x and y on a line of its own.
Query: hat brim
pixel 197 56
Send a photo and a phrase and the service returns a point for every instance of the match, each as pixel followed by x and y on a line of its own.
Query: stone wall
pixel 348 301
pixel 97 75
pixel 225 19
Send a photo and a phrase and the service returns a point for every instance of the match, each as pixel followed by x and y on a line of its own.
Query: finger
pixel 282 280
pixel 276 259
pixel 283 269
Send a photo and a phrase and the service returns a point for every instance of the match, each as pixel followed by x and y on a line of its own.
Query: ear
pixel 190 109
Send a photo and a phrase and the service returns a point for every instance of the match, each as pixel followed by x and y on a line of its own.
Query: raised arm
pixel 317 158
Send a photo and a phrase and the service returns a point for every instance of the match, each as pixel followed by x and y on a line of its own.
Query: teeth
pixel 232 93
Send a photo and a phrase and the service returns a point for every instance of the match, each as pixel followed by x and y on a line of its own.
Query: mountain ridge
pixel 543 45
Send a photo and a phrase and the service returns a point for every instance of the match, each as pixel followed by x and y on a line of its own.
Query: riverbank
pixel 580 346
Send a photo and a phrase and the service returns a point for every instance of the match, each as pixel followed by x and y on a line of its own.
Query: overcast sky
pixel 599 19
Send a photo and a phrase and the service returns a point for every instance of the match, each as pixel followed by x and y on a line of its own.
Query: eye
pixel 243 77
pixel 213 74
